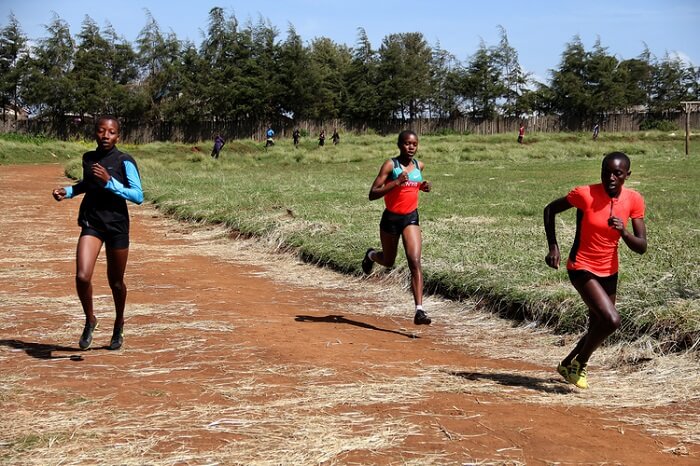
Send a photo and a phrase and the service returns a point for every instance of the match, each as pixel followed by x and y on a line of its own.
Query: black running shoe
pixel 367 263
pixel 86 338
pixel 117 338
pixel 421 318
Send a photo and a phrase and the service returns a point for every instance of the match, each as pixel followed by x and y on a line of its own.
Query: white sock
pixel 419 307
pixel 371 255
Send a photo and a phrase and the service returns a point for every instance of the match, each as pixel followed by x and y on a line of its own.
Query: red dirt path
pixel 226 362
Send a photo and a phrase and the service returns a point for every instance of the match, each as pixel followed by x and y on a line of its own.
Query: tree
pixel 635 76
pixel 47 86
pixel 672 83
pixel 221 53
pixel 362 104
pixel 125 98
pixel 90 74
pixel 158 56
pixel 13 55
pixel 294 78
pixel 604 82
pixel 443 102
pixel 405 75
pixel 266 80
pixel 481 83
pixel 514 79
pixel 570 95
pixel 329 66
pixel 187 103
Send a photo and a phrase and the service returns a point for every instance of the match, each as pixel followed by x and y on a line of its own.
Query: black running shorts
pixel 395 223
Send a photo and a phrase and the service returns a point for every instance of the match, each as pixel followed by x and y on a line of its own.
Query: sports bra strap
pixel 398 165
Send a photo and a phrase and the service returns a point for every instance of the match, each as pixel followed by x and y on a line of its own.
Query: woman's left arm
pixel 425 186
pixel 134 192
pixel 637 241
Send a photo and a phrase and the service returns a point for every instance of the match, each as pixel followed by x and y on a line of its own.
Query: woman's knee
pixel 82 278
pixel 117 285
pixel 388 261
pixel 608 319
pixel 414 264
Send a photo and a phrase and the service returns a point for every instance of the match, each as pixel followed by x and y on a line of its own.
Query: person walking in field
pixel 269 138
pixel 110 178
pixel 296 135
pixel 335 137
pixel 322 138
pixel 399 182
pixel 602 213
pixel 596 131
pixel 521 133
pixel 218 145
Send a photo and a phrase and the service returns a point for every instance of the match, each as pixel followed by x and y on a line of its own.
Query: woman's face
pixel 107 134
pixel 613 175
pixel 409 145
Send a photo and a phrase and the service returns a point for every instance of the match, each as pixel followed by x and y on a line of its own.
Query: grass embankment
pixel 482 224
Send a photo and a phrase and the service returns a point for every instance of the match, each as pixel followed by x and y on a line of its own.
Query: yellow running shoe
pixel 578 373
pixel 563 371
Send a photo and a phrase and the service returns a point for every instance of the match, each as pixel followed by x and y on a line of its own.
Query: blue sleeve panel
pixel 75 190
pixel 134 192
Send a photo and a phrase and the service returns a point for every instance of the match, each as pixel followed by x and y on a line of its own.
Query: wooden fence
pixel 140 133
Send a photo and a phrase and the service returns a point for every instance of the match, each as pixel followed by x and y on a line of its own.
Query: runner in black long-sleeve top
pixel 110 178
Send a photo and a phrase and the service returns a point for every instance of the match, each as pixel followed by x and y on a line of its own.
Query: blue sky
pixel 538 30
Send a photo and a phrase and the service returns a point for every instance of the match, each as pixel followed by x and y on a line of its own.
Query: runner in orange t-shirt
pixel 601 220
pixel 399 182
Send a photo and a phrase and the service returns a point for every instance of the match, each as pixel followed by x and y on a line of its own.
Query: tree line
pixel 248 72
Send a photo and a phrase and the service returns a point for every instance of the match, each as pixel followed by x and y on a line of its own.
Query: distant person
pixel 521 133
pixel 110 178
pixel 596 131
pixel 335 137
pixel 322 138
pixel 218 145
pixel 602 212
pixel 269 141
pixel 399 182
pixel 296 135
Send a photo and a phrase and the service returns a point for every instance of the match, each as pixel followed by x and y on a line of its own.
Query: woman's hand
pixel 100 172
pixel 426 186
pixel 552 258
pixel 59 194
pixel 402 178
pixel 616 223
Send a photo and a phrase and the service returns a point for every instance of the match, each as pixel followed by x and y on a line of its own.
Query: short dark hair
pixel 617 156
pixel 405 133
pixel 107 117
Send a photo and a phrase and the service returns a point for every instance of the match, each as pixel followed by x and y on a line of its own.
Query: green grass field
pixel 482 223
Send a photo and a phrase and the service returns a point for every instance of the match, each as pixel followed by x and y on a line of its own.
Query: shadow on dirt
pixel 517 380
pixel 333 319
pixel 41 350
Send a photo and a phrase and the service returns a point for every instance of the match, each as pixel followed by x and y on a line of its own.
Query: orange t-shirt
pixel 595 244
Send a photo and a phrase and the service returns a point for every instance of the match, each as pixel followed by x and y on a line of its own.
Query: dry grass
pixel 255 413
pixel 623 375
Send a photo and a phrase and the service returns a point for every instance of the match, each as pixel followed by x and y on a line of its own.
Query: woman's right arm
pixel 553 208
pixel 69 191
pixel 380 186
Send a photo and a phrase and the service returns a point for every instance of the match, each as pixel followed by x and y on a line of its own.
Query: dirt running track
pixel 238 356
